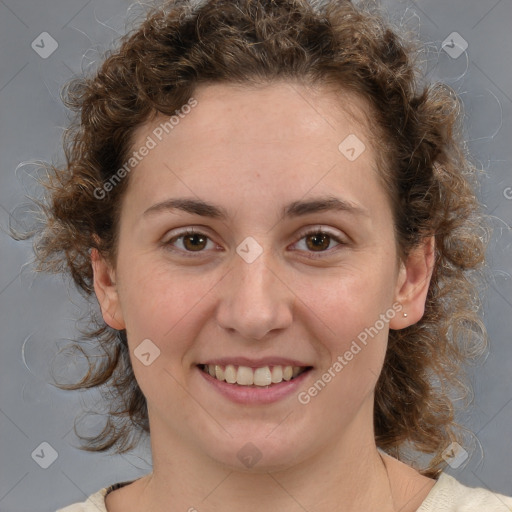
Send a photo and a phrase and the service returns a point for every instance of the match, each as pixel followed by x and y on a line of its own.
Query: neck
pixel 350 472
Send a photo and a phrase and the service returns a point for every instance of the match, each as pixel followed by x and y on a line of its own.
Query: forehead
pixel 284 110
pixel 270 119
pixel 272 139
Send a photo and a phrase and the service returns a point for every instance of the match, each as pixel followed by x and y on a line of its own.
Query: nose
pixel 254 299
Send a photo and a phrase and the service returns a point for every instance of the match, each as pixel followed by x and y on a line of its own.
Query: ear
pixel 106 291
pixel 413 283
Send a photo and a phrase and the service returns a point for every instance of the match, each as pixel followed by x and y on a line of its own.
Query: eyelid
pixel 320 229
pixel 182 233
pixel 311 230
pixel 195 230
pixel 323 230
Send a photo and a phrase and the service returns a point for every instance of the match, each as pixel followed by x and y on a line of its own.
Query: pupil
pixel 320 241
pixel 194 237
pixel 320 236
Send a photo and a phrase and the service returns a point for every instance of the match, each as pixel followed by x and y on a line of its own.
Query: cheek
pixel 347 301
pixel 350 317
pixel 353 328
pixel 162 307
pixel 160 304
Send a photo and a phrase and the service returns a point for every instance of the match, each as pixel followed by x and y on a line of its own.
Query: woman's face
pixel 252 290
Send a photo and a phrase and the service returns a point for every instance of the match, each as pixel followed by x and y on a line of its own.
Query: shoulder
pixel 95 502
pixel 449 495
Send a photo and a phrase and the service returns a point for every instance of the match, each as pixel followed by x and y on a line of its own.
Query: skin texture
pixel 253 151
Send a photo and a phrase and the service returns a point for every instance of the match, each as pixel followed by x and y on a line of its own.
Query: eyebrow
pixel 291 210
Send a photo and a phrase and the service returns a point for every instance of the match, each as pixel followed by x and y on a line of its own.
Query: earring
pixel 405 315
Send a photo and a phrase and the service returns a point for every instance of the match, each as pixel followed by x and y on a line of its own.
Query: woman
pixel 280 228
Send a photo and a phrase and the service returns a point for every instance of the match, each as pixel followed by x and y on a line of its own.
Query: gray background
pixel 38 313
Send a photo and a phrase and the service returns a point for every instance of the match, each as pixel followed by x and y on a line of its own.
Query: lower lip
pixel 256 395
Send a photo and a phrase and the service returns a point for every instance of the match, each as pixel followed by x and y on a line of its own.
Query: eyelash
pixel 192 231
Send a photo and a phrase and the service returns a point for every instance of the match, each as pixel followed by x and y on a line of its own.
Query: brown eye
pixel 191 242
pixel 318 241
pixel 194 242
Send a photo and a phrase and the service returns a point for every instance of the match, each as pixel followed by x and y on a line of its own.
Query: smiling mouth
pixel 255 377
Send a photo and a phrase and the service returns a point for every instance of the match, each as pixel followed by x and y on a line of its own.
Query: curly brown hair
pixel 425 169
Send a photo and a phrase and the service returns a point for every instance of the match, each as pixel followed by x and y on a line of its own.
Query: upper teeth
pixel 246 376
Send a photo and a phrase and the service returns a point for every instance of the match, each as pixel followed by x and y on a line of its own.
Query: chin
pixel 258 454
